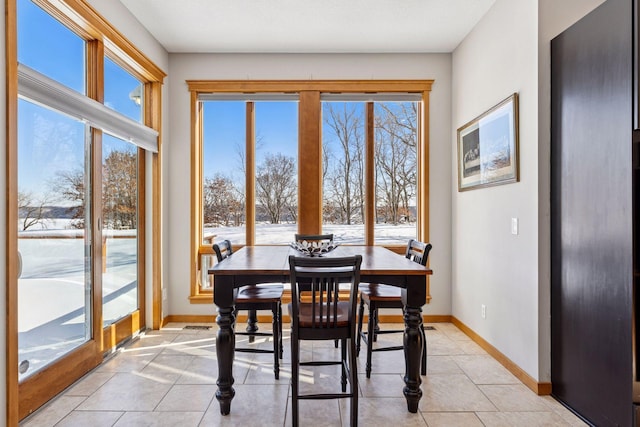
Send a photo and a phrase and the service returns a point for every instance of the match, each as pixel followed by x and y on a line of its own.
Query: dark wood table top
pixel 376 260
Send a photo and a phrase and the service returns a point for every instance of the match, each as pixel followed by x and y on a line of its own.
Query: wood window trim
pixel 309 221
pixel 11 360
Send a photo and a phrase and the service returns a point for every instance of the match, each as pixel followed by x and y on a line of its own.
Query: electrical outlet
pixel 514 226
pixel 164 294
pixel 484 311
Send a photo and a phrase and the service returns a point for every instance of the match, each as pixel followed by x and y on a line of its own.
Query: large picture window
pixel 343 170
pixel 223 177
pixel 396 172
pixel 340 157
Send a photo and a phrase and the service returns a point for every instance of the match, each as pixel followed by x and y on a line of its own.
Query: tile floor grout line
pixel 450 352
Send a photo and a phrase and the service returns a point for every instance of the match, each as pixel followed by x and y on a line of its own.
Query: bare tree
pixel 120 190
pixel 276 186
pixel 69 185
pixel 344 174
pixel 395 160
pixel 223 203
pixel 32 209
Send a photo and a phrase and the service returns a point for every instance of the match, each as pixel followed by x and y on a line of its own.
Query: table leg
pixel 225 347
pixel 252 324
pixel 412 357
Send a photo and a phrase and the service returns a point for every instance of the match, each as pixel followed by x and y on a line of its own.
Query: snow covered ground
pixel 385 234
pixel 53 291
pixel 54 283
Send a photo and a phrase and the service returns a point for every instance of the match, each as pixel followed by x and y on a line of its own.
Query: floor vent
pixel 197 327
pixel 429 328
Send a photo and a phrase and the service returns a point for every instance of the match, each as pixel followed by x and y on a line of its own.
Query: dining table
pixel 270 264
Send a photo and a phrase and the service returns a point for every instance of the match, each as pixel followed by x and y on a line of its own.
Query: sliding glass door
pixel 54 239
pixel 77 196
pixel 119 229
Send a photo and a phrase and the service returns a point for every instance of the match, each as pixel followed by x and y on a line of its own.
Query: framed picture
pixel 488 147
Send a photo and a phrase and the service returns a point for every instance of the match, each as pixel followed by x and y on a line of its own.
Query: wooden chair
pixel 319 238
pixel 319 315
pixel 384 296
pixel 258 297
pixel 314 237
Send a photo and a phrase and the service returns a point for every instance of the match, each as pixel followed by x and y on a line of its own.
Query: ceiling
pixel 309 26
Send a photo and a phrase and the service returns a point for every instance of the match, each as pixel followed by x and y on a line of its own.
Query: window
pixel 122 91
pixel 53 237
pixel 53 44
pixel 396 172
pixel 276 172
pixel 343 170
pixel 355 164
pixel 224 165
pixel 119 242
pixel 393 156
pixel 54 209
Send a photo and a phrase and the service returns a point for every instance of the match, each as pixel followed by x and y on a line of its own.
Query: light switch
pixel 514 225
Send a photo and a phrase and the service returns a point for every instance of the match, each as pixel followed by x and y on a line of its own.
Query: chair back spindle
pixel 316 238
pixel 223 249
pixel 418 251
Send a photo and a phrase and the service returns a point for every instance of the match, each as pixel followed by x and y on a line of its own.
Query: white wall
pixel 120 18
pixel 490 265
pixel 508 51
pixel 297 67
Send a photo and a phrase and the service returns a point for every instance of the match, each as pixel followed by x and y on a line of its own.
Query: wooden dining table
pixel 270 264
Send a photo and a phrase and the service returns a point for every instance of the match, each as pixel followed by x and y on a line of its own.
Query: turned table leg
pixel 412 356
pixel 225 346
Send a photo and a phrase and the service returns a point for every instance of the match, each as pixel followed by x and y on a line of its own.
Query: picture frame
pixel 488 147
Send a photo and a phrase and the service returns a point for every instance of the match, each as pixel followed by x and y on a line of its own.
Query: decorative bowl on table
pixel 314 248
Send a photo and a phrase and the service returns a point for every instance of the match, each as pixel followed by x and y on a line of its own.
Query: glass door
pixel 54 238
pixel 119 229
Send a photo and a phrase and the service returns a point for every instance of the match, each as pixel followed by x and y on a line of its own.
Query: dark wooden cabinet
pixel 594 111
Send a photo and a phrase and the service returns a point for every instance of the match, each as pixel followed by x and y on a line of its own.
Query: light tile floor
pixel 168 378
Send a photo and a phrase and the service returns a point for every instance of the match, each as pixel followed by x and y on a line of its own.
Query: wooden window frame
pixel 309 154
pixel 102 40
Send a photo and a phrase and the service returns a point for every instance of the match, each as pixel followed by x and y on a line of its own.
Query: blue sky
pixel 49 141
pixel 224 132
pixel 47 144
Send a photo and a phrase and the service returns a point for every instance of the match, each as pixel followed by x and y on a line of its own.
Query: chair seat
pixel 305 315
pixel 377 292
pixel 259 293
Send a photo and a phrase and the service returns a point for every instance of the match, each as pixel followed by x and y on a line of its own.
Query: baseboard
pixel 190 318
pixel 541 389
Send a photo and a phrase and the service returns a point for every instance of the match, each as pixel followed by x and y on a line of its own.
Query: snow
pixel 52 287
pixel 282 234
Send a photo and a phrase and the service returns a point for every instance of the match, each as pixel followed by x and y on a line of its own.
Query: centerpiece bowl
pixel 314 249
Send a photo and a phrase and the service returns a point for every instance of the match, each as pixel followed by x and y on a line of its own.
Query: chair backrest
pixel 223 249
pixel 314 237
pixel 319 279
pixel 418 251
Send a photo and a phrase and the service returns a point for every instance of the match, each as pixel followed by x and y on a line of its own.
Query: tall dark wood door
pixel 592 215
